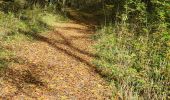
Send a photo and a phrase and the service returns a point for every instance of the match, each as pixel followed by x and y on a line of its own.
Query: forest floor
pixel 55 66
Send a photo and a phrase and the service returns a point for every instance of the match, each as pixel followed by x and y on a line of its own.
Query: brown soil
pixel 55 66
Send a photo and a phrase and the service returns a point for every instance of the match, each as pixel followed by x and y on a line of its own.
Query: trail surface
pixel 55 66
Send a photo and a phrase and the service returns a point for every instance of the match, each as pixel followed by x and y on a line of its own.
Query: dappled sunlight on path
pixel 55 66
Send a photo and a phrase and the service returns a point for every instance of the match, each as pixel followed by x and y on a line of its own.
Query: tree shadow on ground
pixel 66 42
pixel 54 43
pixel 21 78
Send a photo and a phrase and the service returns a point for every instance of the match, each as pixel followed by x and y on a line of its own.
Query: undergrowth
pixel 138 66
pixel 134 51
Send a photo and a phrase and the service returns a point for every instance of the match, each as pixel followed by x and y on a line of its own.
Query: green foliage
pixel 4 55
pixel 8 23
pixel 134 51
pixel 138 63
pixel 18 26
pixel 36 21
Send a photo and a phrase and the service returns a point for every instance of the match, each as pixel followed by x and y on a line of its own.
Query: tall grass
pixel 137 64
pixel 134 51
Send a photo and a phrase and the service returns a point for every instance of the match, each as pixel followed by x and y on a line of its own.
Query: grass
pixel 13 27
pixel 4 55
pixel 138 66
pixel 35 20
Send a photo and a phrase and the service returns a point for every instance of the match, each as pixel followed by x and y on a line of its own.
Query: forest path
pixel 55 66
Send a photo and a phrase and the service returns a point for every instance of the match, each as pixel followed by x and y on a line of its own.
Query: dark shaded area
pixel 92 20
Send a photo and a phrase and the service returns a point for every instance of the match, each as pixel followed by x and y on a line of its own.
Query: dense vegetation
pixel 134 49
pixel 133 42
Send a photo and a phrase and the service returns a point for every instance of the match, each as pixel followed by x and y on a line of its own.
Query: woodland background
pixel 133 39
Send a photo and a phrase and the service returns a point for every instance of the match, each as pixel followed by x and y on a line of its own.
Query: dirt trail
pixel 56 66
